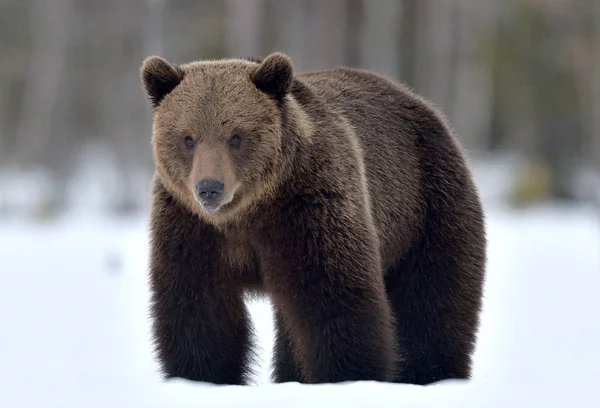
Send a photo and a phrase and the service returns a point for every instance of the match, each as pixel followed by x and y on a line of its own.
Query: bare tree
pixel 50 22
pixel 379 36
pixel 291 19
pixel 126 113
pixel 592 147
pixel 326 33
pixel 245 22
pixel 595 88
pixel 33 147
pixel 313 32
pixel 155 21
pixel 473 85
pixel 436 41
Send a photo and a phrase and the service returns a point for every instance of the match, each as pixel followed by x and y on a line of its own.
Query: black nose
pixel 209 189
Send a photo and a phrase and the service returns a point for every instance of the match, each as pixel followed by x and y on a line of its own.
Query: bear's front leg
pixel 286 368
pixel 322 269
pixel 200 323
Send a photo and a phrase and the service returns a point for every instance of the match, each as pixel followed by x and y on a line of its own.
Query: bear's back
pixel 389 122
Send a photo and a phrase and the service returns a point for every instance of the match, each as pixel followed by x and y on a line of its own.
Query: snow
pixel 74 327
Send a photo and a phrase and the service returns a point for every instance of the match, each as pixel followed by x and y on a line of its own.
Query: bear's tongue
pixel 211 207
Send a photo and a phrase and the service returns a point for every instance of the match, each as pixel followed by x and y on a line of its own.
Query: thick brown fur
pixel 347 200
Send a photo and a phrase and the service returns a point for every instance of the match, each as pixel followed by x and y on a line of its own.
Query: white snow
pixel 74 329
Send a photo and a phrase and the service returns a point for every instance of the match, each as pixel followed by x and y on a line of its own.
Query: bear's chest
pixel 240 256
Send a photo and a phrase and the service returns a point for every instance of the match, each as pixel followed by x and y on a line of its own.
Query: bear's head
pixel 217 130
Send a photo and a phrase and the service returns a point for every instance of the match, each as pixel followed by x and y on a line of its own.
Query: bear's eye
pixel 234 140
pixel 189 142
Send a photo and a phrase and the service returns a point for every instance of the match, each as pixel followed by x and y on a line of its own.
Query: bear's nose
pixel 209 189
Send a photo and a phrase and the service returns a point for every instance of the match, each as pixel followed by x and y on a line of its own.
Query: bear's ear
pixel 274 75
pixel 159 78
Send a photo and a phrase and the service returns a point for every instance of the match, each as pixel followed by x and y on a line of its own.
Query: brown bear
pixel 340 194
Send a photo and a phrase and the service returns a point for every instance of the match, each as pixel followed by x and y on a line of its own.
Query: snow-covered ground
pixel 74 330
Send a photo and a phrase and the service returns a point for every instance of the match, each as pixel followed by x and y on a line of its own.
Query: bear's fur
pixel 346 199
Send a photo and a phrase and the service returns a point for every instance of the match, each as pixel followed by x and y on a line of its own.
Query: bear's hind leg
pixel 436 290
pixel 436 302
pixel 436 294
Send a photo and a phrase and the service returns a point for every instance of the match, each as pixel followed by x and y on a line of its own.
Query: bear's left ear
pixel 159 78
pixel 274 75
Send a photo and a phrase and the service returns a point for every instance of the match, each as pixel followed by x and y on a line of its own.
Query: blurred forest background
pixel 518 79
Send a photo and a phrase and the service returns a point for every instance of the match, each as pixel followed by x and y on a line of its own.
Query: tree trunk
pixel 50 22
pixel 436 47
pixel 379 46
pixel 245 22
pixel 37 145
pixel 313 32
pixel 156 10
pixel 595 91
pixel 127 127
pixel 594 117
pixel 473 85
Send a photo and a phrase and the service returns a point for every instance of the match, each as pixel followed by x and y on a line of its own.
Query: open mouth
pixel 215 204
pixel 211 207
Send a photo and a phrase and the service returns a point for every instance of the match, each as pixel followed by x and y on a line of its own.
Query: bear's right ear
pixel 159 78
pixel 274 75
